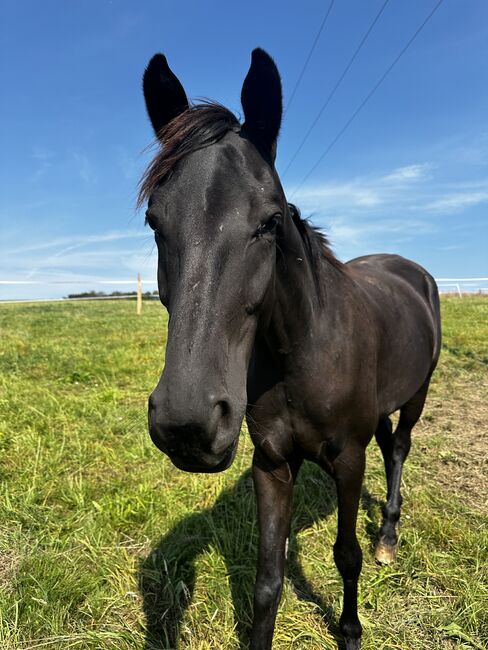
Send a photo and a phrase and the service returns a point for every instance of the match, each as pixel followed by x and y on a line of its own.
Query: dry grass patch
pixel 455 440
pixel 9 563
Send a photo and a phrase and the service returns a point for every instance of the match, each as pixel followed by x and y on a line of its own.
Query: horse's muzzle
pixel 205 464
pixel 207 445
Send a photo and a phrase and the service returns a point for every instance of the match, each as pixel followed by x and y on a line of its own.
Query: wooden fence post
pixel 139 294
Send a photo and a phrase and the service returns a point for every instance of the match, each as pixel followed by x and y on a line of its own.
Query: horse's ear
pixel 164 94
pixel 262 103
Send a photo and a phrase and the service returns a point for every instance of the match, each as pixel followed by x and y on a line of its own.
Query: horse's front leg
pixel 348 474
pixel 274 490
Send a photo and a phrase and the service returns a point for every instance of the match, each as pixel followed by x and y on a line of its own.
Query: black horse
pixel 266 322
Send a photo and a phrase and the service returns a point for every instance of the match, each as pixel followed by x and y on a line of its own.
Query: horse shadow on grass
pixel 167 575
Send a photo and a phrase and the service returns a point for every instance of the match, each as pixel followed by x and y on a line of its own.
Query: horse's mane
pixel 316 243
pixel 197 127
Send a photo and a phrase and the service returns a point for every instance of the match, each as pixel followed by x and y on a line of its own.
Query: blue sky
pixel 409 175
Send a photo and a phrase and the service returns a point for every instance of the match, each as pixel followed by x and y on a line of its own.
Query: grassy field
pixel 104 544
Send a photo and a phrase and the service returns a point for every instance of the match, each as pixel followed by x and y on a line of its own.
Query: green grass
pixel 104 544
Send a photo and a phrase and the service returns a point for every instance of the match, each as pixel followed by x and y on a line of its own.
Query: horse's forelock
pixel 194 128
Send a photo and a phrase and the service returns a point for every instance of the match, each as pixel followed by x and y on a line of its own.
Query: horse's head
pixel 215 204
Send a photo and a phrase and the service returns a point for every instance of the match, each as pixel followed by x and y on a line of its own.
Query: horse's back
pixel 395 267
pixel 404 302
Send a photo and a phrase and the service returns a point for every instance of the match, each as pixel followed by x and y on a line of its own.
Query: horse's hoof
pixel 385 553
pixel 352 644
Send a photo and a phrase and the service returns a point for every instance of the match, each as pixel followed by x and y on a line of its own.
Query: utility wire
pixel 307 60
pixel 334 89
pixel 367 98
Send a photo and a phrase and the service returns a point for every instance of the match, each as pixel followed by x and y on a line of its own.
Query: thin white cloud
pixel 365 192
pixel 93 256
pixel 463 148
pixel 78 240
pixel 130 166
pixel 85 168
pixel 408 173
pixel 386 210
pixel 457 201
pixel 100 259
pixel 345 231
pixel 452 247
pixel 339 194
pixel 413 188
pixel 43 158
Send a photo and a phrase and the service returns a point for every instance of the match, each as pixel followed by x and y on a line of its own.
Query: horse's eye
pixel 268 226
pixel 150 220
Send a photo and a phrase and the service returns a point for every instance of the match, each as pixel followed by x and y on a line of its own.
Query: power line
pixel 368 97
pixel 307 60
pixel 334 89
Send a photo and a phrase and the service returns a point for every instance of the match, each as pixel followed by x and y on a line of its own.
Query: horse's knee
pixel 348 558
pixel 267 593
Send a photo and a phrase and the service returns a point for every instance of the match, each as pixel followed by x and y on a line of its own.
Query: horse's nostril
pixel 224 408
pixel 222 431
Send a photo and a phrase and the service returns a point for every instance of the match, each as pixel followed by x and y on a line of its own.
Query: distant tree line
pixel 113 294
